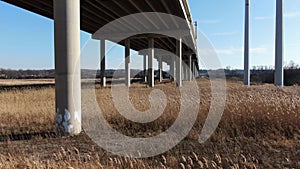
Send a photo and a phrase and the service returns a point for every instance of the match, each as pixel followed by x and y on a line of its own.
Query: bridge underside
pixel 94 14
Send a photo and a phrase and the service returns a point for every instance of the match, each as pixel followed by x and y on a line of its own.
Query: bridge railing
pixel 192 24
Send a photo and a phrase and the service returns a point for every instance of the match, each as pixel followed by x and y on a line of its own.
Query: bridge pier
pixel 172 68
pixel 184 71
pixel 246 47
pixel 160 68
pixel 279 45
pixel 145 67
pixel 150 62
pixel 127 63
pixel 67 66
pixel 179 62
pixel 190 70
pixel 102 62
pixel 194 70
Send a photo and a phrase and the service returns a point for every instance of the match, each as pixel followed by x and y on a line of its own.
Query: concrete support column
pixel 102 62
pixel 184 71
pixel 127 62
pixel 150 63
pixel 194 70
pixel 190 69
pixel 246 47
pixel 185 68
pixel 67 66
pixel 160 68
pixel 279 44
pixel 174 70
pixel 179 63
pixel 172 67
pixel 145 68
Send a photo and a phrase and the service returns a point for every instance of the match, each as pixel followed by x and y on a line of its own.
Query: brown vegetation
pixel 259 129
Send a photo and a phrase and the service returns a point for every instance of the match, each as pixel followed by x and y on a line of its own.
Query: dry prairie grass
pixel 28 110
pixel 11 82
pixel 259 129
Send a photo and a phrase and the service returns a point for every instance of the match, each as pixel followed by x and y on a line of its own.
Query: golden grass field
pixel 260 128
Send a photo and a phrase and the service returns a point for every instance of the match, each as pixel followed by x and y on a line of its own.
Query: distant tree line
pixel 26 74
pixel 85 73
pixel 261 74
pixel 291 76
pixel 38 74
pixel 265 74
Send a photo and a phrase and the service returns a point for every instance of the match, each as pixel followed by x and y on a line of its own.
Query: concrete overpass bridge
pixel 145 30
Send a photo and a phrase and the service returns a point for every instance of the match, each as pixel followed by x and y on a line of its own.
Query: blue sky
pixel 223 23
pixel 27 39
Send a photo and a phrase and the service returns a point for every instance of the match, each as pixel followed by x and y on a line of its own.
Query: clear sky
pixel 26 39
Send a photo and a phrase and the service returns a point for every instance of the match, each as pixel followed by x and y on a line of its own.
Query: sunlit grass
pixel 259 129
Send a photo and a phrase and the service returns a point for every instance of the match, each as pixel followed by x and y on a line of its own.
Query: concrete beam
pixel 179 63
pixel 246 43
pixel 127 63
pixel 102 62
pixel 67 66
pixel 124 32
pixel 150 62
pixel 279 44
